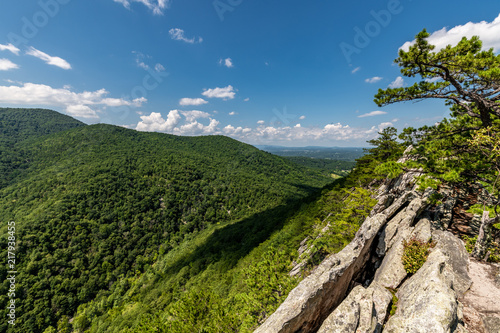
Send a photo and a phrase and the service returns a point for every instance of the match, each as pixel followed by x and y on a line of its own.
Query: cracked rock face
pixel 363 311
pixel 427 301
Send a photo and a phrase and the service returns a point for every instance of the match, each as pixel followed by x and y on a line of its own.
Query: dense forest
pixel 97 205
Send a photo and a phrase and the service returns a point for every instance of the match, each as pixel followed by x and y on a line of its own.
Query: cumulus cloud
pixel 488 32
pixel 224 93
pixel 9 47
pixel 55 61
pixel 155 122
pixel 201 123
pixel 374 79
pixel 6 64
pixel 156 6
pixel 228 62
pixel 397 83
pixel 330 133
pixel 39 94
pixel 178 34
pixel 82 111
pixel 371 114
pixel 232 113
pixel 176 125
pixel 191 116
pixel 246 99
pixel 192 101
pixel 302 117
pixel 196 128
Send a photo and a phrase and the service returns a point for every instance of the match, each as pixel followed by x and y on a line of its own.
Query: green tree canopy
pixel 464 75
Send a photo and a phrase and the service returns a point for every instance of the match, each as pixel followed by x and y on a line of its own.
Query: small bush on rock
pixel 415 254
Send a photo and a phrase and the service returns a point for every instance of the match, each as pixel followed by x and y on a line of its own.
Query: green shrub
pixel 494 252
pixel 470 242
pixel 415 254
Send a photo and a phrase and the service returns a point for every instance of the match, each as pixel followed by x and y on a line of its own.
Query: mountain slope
pixel 96 204
pixel 18 125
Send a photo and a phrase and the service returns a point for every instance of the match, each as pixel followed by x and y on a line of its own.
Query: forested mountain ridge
pixel 18 125
pixel 97 204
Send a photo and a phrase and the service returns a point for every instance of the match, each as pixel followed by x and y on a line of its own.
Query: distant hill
pixel 18 125
pixel 97 204
pixel 327 166
pixel 332 153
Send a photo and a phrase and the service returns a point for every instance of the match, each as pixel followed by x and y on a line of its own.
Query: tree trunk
pixel 484 237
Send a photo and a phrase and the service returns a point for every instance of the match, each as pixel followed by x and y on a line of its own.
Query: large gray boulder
pixel 363 311
pixel 456 257
pixel 427 301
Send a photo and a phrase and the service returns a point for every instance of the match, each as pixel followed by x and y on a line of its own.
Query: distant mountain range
pixel 332 153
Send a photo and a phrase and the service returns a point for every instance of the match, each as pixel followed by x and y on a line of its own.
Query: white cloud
pixel 157 6
pixel 371 114
pixel 9 47
pixel 232 113
pixel 155 123
pixel 302 117
pixel 231 130
pixel 39 94
pixel 201 123
pixel 192 101
pixel 6 64
pixel 55 61
pixel 397 83
pixel 488 32
pixel 374 79
pixel 246 99
pixel 228 62
pixel 355 70
pixel 196 128
pixel 434 79
pixel 141 58
pixel 298 134
pixel 178 34
pixel 159 68
pixel 142 65
pixel 82 111
pixel 191 125
pixel 224 93
pixel 191 116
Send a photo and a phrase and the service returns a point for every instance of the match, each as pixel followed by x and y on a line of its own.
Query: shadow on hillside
pixel 227 245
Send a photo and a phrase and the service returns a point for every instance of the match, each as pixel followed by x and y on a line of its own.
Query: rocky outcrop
pixel 427 301
pixel 310 303
pixel 334 298
pixel 364 310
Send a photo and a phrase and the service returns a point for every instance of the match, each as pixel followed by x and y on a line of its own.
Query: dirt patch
pixel 482 301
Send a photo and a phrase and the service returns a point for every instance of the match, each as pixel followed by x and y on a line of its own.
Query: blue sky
pixel 290 73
